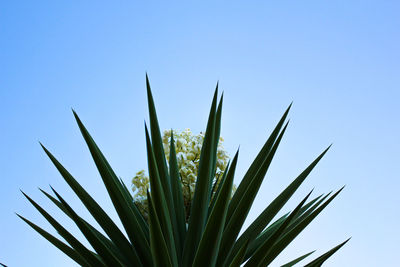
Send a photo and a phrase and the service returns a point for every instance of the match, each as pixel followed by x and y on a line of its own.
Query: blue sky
pixel 338 61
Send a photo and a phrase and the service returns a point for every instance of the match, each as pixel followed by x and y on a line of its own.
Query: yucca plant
pixel 212 235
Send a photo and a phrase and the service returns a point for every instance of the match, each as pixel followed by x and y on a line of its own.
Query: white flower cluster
pixel 188 149
pixel 140 184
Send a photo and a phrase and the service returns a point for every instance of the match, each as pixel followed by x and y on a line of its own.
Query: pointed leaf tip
pixel 78 120
pixel 341 189
pixel 285 126
pixel 324 152
pixel 74 112
pixel 216 90
pixel 289 107
pixel 146 131
pixel 45 149
pixel 54 191
pixel 237 153
pixel 148 87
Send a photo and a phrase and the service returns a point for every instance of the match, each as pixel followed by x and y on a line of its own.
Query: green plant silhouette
pixel 212 235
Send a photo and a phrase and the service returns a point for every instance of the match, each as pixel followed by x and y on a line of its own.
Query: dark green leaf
pixel 318 261
pixel 126 210
pixel 217 131
pixel 160 205
pixel 207 251
pixel 238 259
pixel 179 206
pixel 103 251
pixel 218 189
pixel 259 258
pixel 235 222
pixel 255 244
pixel 304 211
pixel 128 193
pixel 81 249
pixel 78 258
pixel 159 248
pixel 97 212
pixel 285 240
pixel 276 205
pixel 297 260
pixel 159 154
pixel 255 166
pixel 116 250
pixel 200 201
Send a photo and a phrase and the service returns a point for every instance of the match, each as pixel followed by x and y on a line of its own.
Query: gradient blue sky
pixel 339 61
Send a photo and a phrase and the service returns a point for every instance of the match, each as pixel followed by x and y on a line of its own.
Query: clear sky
pixel 339 61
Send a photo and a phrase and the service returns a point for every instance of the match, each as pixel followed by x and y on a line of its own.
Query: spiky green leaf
pixel 126 259
pixel 126 210
pixel 159 248
pixel 297 260
pixel 160 205
pixel 285 240
pixel 276 205
pixel 102 250
pixel 58 243
pixel 304 211
pixel 321 259
pixel 207 252
pixel 75 243
pixel 238 259
pixel 218 188
pixel 217 130
pixel 200 201
pixel 259 258
pixel 179 207
pixel 97 212
pixel 159 154
pixel 235 222
pixel 255 166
